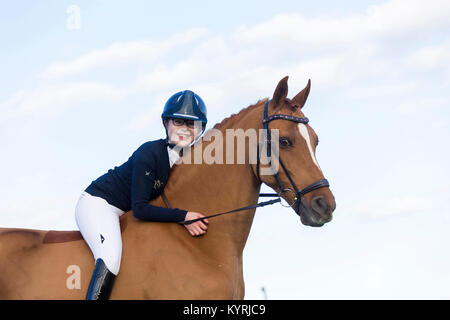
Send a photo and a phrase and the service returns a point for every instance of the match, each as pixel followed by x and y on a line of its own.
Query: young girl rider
pixel 132 185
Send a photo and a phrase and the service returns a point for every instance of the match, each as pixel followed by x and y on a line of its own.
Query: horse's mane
pixel 240 113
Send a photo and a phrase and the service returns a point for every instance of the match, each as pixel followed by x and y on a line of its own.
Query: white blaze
pixel 305 134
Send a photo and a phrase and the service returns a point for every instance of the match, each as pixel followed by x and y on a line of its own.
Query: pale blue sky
pixel 74 103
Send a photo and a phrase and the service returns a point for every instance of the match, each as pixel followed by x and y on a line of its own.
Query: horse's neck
pixel 214 188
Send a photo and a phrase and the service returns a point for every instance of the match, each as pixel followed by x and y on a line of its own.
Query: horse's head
pixel 297 147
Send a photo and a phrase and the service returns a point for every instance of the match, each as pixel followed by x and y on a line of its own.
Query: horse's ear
pixel 281 91
pixel 301 97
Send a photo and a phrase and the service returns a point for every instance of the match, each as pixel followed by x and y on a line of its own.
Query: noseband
pixel 298 193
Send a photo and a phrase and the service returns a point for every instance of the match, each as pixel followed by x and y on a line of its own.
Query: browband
pixel 286 117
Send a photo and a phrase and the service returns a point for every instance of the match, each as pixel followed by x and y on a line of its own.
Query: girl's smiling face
pixel 182 132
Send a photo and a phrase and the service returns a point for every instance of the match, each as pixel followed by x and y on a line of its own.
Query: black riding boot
pixel 101 283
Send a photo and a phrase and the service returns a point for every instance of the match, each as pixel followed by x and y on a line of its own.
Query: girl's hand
pixel 196 228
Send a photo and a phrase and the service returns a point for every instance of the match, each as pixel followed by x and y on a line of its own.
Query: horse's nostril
pixel 319 205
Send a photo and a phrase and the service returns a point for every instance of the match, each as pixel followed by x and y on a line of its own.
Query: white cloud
pixel 431 57
pixel 248 59
pixel 149 118
pixel 385 90
pixel 164 76
pixel 323 70
pixel 393 18
pixel 48 99
pixel 119 54
pixel 401 16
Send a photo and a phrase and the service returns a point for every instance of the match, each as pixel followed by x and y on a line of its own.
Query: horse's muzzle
pixel 317 213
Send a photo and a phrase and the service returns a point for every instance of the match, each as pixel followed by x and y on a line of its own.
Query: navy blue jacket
pixel 138 180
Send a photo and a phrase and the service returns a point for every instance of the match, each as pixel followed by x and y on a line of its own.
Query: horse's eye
pixel 285 142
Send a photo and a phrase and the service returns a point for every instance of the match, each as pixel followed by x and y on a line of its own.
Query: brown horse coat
pixel 161 260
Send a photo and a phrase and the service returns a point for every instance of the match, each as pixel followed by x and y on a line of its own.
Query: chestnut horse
pixel 162 260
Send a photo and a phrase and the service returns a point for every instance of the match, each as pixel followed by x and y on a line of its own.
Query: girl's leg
pixel 99 224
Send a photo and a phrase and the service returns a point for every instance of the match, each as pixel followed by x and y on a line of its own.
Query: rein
pixel 298 193
pixel 260 204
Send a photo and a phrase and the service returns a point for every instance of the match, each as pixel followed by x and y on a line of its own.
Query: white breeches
pixel 99 224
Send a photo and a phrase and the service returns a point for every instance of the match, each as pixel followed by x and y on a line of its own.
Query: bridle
pixel 298 193
pixel 322 183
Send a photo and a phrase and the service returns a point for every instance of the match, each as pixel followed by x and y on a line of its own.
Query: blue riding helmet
pixel 185 105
